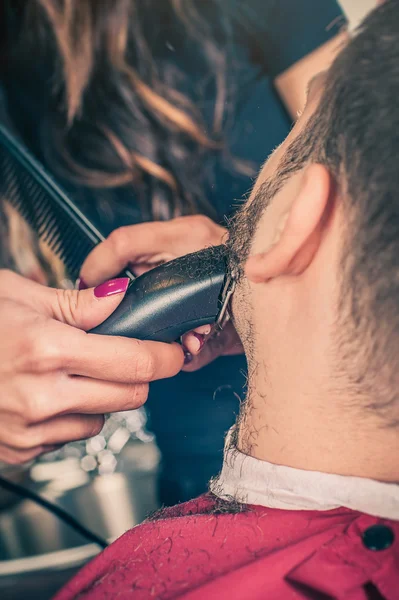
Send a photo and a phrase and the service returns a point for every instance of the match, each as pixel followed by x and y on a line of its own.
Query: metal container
pixel 38 552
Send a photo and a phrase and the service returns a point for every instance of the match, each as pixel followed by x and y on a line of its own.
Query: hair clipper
pixel 173 298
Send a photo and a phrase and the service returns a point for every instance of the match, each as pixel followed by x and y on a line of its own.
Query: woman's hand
pixel 146 245
pixel 56 381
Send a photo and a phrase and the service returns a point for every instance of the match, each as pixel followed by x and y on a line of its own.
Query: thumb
pixel 87 308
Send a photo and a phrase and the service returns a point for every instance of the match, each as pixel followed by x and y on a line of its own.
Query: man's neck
pixel 316 432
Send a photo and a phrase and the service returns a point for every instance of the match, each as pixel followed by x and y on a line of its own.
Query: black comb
pixel 51 213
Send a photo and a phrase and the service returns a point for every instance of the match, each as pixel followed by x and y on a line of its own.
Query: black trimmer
pixel 172 299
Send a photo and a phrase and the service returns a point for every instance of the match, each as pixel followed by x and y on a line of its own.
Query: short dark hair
pixel 355 133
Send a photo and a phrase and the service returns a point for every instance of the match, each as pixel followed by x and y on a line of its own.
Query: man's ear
pixel 299 230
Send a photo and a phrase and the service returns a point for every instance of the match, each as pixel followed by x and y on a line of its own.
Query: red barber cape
pixel 208 549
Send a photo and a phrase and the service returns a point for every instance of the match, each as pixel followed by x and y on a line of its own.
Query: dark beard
pixel 242 226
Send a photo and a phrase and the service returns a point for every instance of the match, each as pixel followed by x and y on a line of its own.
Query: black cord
pixel 53 508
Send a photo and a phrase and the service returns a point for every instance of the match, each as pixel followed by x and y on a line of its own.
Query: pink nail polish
pixel 82 285
pixel 112 287
pixel 200 339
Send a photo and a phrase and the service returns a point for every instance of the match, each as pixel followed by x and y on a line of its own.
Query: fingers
pixel 54 352
pixel 13 456
pixel 48 360
pixel 121 359
pixel 150 244
pixel 50 345
pixel 194 341
pixel 224 344
pixel 32 440
pixel 92 396
pixel 66 428
pixel 43 397
pixel 137 243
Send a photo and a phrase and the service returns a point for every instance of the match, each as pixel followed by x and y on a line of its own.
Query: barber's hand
pixel 56 381
pixel 202 349
pixel 146 245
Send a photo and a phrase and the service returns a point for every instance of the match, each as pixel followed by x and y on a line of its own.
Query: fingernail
pixel 200 338
pixel 82 285
pixel 112 287
pixel 188 357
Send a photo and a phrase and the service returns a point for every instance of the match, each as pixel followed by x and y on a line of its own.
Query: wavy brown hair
pixel 119 112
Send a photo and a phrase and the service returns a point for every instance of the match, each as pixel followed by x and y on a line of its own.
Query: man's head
pixel 318 241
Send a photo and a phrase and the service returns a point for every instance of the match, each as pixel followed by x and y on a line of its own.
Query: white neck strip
pixel 252 481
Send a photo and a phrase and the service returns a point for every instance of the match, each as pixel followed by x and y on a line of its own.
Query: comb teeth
pixel 44 205
pixel 41 213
